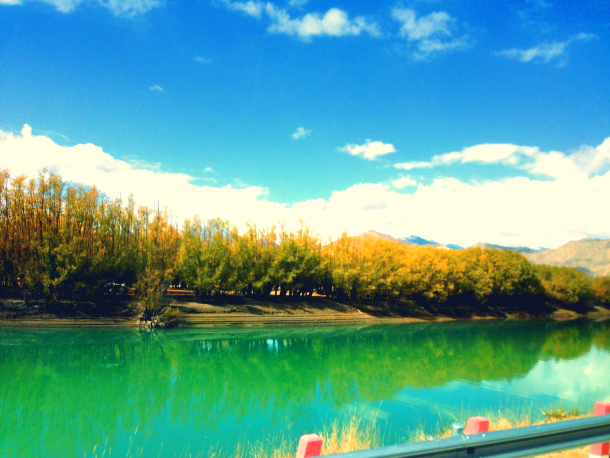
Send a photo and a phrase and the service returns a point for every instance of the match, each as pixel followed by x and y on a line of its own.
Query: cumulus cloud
pixel 369 150
pixel 429 34
pixel 512 211
pixel 334 22
pixel 301 132
pixel 124 8
pixel 546 52
pixel 403 182
pixel 156 88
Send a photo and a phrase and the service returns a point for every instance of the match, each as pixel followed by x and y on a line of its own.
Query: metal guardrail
pixel 510 443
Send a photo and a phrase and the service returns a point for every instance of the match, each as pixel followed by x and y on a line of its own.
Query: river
pixel 182 392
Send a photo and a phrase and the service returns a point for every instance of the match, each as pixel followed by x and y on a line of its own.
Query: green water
pixel 64 393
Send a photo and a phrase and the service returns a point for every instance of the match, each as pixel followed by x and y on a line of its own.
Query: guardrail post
pixel 600 450
pixel 309 445
pixel 477 425
pixel 457 429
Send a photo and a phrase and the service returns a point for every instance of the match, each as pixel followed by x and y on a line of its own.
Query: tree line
pixel 62 241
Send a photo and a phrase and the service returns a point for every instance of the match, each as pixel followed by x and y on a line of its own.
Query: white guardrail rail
pixel 476 441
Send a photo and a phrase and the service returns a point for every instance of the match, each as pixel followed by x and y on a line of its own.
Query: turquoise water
pixel 89 392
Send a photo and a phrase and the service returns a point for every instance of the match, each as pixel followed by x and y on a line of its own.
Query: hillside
pixel 591 256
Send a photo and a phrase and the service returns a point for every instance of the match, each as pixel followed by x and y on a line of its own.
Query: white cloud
pixel 156 88
pixel 403 182
pixel 203 60
pixel 124 8
pixel 412 165
pixel 297 3
pixel 513 211
pixel 209 170
pixel 65 6
pixel 301 132
pixel 129 7
pixel 250 7
pixel 334 22
pixel 89 164
pixel 429 34
pixel 546 52
pixel 369 150
pixel 586 162
pixel 485 153
pixel 432 25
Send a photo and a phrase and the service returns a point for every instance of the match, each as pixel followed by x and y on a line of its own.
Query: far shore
pixel 243 312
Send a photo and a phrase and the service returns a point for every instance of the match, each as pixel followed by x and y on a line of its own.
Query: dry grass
pixel 339 436
pixel 350 436
pixel 352 433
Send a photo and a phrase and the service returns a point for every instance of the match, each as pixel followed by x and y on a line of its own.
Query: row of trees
pixel 215 259
pixel 63 241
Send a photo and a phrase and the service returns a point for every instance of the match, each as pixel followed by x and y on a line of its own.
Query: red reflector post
pixel 477 425
pixel 600 450
pixel 309 445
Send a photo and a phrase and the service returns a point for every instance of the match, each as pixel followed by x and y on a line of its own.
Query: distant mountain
pixel 415 240
pixel 516 249
pixel 591 256
pixel 453 246
pixel 411 240
pixel 377 235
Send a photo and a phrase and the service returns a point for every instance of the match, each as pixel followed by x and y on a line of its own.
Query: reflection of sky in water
pixel 578 382
pixel 581 381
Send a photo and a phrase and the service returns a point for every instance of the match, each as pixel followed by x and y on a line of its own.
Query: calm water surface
pixel 64 393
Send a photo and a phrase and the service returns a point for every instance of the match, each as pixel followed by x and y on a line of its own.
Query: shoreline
pixel 316 310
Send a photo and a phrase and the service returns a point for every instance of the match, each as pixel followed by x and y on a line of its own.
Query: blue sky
pixel 343 113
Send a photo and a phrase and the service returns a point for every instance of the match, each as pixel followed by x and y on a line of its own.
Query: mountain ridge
pixel 590 256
